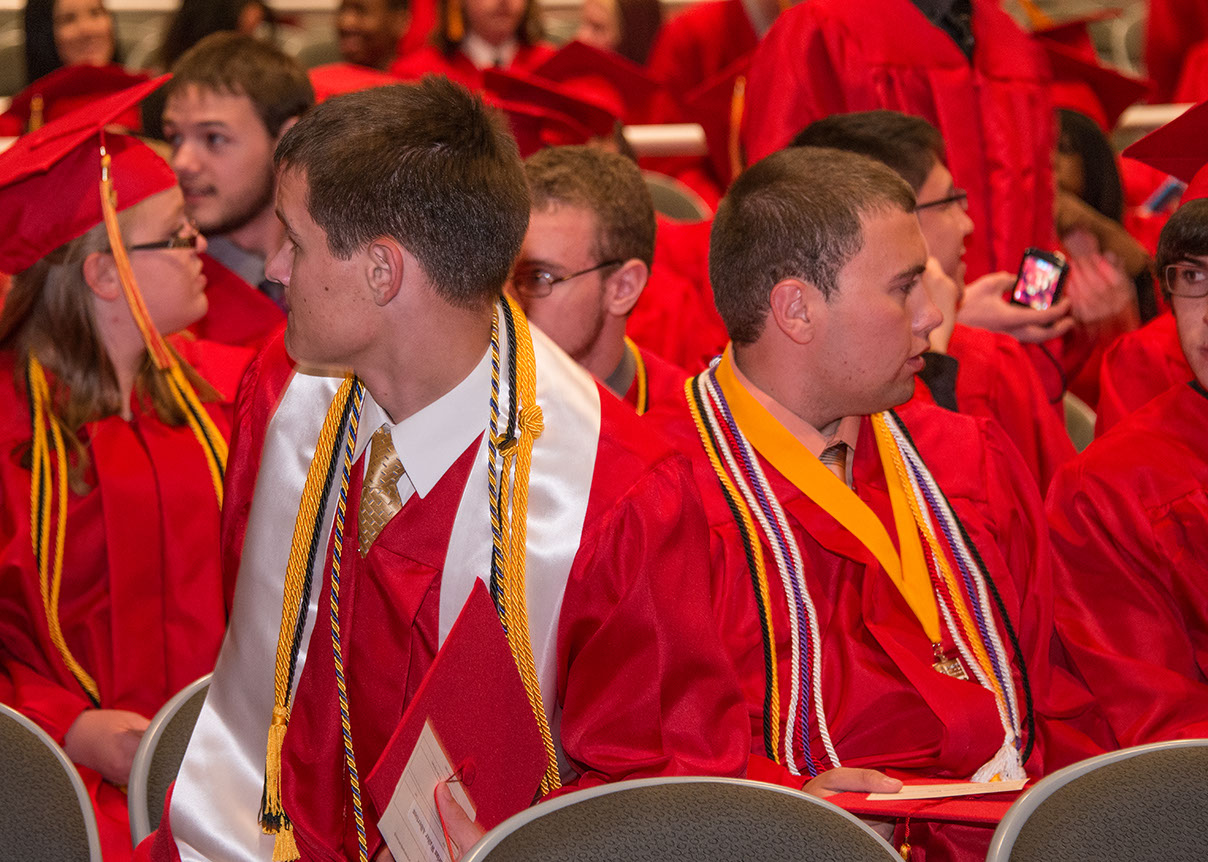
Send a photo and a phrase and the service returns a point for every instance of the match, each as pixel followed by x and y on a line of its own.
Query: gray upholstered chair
pixel 45 812
pixel 1143 804
pixel 158 757
pixel 697 819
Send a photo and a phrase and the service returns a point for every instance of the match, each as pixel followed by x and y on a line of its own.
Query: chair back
pixel 45 812
pixel 674 198
pixel 702 819
pixel 158 757
pixel 1079 421
pixel 1147 804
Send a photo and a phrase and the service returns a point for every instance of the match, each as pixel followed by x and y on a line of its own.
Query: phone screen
pixel 1038 281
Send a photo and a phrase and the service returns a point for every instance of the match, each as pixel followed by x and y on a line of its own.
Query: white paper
pixel 942 791
pixel 410 823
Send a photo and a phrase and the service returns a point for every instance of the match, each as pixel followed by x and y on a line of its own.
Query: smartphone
pixel 1041 277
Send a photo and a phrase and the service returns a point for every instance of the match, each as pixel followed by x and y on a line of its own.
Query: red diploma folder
pixel 475 700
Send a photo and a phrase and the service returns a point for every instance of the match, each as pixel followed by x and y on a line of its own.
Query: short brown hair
pixel 274 82
pixel 427 164
pixel 1184 237
pixel 606 184
pixel 908 144
pixel 794 214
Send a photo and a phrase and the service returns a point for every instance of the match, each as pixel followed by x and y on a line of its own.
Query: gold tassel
pixel 35 113
pixel 738 101
pixel 285 848
pixel 455 27
pixel 155 342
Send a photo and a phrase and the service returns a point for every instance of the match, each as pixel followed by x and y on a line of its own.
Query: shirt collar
pixel 429 441
pixel 815 442
pixel 484 55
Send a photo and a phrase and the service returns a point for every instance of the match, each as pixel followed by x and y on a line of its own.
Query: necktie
pixel 834 458
pixel 380 499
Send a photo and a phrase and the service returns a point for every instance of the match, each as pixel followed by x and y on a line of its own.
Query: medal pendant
pixel 948 666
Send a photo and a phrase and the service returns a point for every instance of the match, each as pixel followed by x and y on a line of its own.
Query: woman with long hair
pixel 67 33
pixel 112 446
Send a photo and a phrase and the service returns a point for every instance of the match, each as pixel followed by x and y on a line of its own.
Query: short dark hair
pixel 427 164
pixel 608 185
pixel 274 82
pixel 1184 236
pixel 795 214
pixel 196 19
pixel 908 144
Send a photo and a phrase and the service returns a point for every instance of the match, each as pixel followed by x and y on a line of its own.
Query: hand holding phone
pixel 1042 274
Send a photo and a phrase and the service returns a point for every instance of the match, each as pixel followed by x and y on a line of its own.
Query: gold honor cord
pixel 213 444
pixel 640 376
pixel 50 574
pixel 273 819
pixel 511 537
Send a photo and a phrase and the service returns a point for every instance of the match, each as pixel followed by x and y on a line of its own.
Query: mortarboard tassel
pixel 738 100
pixel 455 26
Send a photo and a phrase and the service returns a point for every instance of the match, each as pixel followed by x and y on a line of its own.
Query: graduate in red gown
pixel 705 38
pixel 584 266
pixel 685 299
pixel 877 661
pixel 120 434
pixel 986 93
pixel 1137 367
pixel 970 370
pixel 474 35
pixel 609 576
pixel 1130 521
pixel 230 100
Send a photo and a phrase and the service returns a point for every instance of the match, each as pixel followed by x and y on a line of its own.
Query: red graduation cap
pixel 608 79
pixel 1179 148
pixel 717 104
pixel 335 79
pixel 1074 33
pixel 50 179
pixel 535 128
pixel 65 90
pixel 524 88
pixel 1091 88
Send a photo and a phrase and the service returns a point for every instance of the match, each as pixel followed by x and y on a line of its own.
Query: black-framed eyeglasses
pixel 1186 280
pixel 539 283
pixel 960 197
pixel 187 237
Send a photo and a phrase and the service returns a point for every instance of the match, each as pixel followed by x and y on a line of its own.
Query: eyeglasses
pixel 1186 280
pixel 538 283
pixel 960 197
pixel 186 237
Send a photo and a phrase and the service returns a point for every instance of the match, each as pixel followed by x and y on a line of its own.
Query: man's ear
pixel 384 265
pixel 796 308
pixel 285 127
pixel 100 274
pixel 624 287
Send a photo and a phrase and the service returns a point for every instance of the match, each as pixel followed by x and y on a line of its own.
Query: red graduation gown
pixel 664 382
pixel 238 313
pixel 836 56
pixel 700 42
pixel 1129 523
pixel 997 380
pixel 1172 28
pixel 142 607
pixel 643 687
pixel 1137 367
pixel 457 66
pixel 887 708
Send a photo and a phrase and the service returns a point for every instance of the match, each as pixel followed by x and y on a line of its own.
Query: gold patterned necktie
pixel 380 500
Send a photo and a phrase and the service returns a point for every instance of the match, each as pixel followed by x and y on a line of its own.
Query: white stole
pixel 218 788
